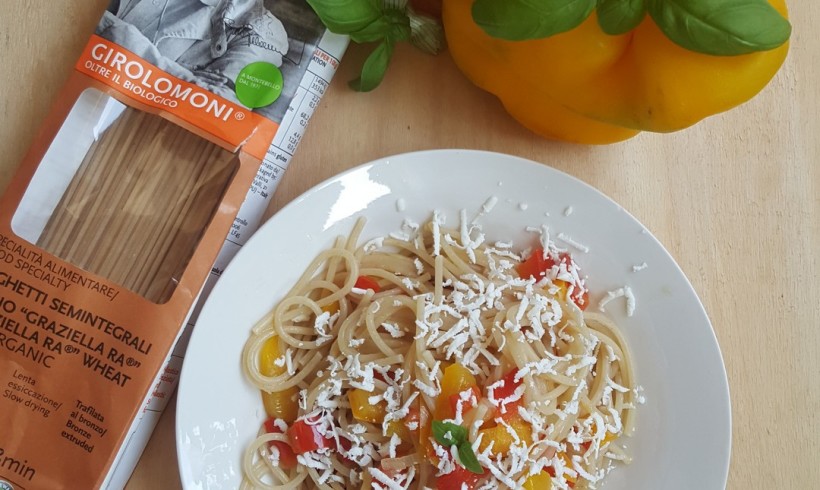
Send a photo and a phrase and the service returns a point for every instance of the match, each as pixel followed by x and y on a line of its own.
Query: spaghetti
pixel 136 207
pixel 433 359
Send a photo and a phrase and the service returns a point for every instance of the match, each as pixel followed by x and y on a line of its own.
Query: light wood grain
pixel 735 199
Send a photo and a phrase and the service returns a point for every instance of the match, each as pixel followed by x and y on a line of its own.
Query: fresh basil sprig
pixel 620 16
pixel 386 22
pixel 346 16
pixel 374 68
pixel 449 434
pixel 519 20
pixel 721 27
pixel 714 27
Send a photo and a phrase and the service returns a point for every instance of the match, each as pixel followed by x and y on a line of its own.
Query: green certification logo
pixel 259 84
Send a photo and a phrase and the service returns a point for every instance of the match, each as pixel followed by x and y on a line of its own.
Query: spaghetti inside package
pixel 170 136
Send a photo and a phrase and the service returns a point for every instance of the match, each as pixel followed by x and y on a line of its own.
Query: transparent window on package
pixel 124 194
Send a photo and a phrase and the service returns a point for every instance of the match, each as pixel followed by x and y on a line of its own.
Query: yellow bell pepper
pixel 282 404
pixel 363 410
pixel 586 86
pixel 541 481
pixel 502 439
pixel 278 404
pixel 456 378
pixel 399 428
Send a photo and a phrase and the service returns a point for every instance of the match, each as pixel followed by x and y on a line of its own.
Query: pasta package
pixel 178 114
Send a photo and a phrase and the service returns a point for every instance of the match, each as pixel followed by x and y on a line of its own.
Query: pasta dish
pixel 433 358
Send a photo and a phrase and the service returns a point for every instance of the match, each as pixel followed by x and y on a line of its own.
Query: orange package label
pixel 141 81
pixel 47 325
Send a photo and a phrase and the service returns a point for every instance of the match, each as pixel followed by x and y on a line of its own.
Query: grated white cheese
pixel 610 296
pixel 490 203
pixel 410 225
pixel 503 402
pixel 544 238
pixel 393 330
pixel 280 361
pixel 615 456
pixel 289 361
pixel 630 301
pixel 395 441
pixel 569 241
pixel 410 284
pixel 623 292
pixel 400 236
pixel 303 400
pixel 438 220
pixel 374 244
pixel 419 266
pixel 273 454
pixel 323 326
pixel 639 396
pixel 468 242
pixel 428 390
pixel 402 480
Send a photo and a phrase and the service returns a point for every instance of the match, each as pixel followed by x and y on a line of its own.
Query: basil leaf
pixel 399 24
pixel 519 20
pixel 468 458
pixel 620 16
pixel 374 68
pixel 449 434
pixel 346 16
pixel 721 27
pixel 393 24
pixel 375 31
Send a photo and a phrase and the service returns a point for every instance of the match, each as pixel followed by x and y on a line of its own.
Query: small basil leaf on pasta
pixel 449 434
pixel 468 459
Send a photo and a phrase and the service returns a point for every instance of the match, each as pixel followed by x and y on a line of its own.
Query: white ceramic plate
pixel 683 430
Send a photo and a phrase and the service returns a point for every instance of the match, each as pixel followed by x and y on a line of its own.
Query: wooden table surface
pixel 735 199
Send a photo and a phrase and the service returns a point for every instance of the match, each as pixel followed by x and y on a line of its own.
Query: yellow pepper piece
pixel 456 379
pixel 268 355
pixel 608 436
pixel 282 404
pixel 398 428
pixel 332 308
pixel 541 481
pixel 502 439
pixel 363 410
pixel 586 86
pixel 279 404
